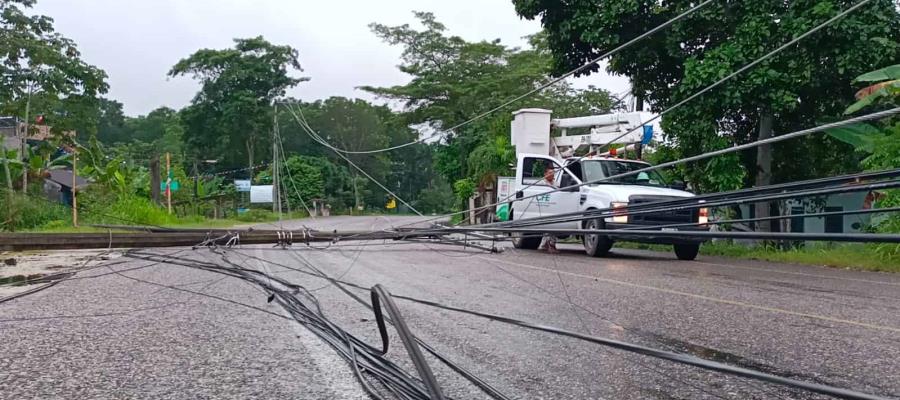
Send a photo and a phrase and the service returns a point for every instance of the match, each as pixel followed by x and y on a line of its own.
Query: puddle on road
pixel 724 357
pixel 20 270
pixel 33 279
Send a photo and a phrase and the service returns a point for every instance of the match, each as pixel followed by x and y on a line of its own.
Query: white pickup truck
pixel 530 126
pixel 632 190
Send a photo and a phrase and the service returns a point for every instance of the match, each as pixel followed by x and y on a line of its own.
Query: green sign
pixel 174 185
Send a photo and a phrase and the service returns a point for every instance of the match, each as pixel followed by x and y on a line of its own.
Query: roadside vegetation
pixel 227 132
pixel 863 257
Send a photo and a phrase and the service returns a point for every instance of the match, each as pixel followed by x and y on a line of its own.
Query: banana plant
pixel 885 90
pixel 41 162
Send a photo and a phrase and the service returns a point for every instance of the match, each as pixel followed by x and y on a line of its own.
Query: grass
pixel 863 257
pixel 65 226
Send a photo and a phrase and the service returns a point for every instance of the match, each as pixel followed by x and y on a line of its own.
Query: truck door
pixel 545 202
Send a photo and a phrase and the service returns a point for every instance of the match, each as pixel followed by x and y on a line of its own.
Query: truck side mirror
pixel 678 185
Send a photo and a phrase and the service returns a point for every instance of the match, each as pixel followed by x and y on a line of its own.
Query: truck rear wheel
pixel 596 245
pixel 528 242
pixel 687 252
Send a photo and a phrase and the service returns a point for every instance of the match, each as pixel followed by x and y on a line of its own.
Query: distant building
pixel 58 185
pixel 825 224
pixel 12 128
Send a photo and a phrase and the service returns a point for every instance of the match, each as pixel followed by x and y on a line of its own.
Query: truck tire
pixel 527 243
pixel 687 252
pixel 596 245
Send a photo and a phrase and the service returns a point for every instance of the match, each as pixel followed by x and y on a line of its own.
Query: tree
pixel 804 84
pixel 355 124
pixel 231 116
pixel 111 124
pixel 879 141
pixel 454 80
pixel 304 179
pixel 42 71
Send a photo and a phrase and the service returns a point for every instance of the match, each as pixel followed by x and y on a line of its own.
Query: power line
pixel 539 88
pixel 679 358
pixel 303 124
pixel 744 68
pixel 702 91
pixel 774 139
pixel 735 73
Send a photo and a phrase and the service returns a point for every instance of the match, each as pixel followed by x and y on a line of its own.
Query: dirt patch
pixel 20 271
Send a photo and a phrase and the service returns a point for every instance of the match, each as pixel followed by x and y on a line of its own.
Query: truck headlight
pixel 619 217
pixel 703 219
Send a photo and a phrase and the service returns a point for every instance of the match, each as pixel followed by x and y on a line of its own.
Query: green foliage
pixel 230 116
pixel 491 159
pixel 454 80
pixel 44 68
pixel 806 83
pixel 856 256
pixel 881 143
pixel 436 198
pixel 890 73
pixel 111 127
pixel 303 181
pixel 256 215
pixel 19 212
pixel 464 189
pixel 860 136
pixel 99 206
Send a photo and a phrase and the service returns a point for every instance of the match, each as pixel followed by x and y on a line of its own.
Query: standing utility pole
pixel 196 188
pixel 25 141
pixel 74 188
pixel 168 182
pixel 276 207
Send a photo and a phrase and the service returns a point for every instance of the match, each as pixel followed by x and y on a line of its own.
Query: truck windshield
pixel 599 169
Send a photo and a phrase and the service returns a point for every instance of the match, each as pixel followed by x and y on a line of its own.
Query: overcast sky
pixel 137 41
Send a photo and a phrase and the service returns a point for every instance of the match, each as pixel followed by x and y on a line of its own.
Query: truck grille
pixel 662 217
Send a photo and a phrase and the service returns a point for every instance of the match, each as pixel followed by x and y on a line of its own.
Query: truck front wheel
pixel 687 252
pixel 596 245
pixel 526 241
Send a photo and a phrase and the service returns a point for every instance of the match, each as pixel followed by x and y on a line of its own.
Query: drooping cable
pixel 550 83
pixel 775 139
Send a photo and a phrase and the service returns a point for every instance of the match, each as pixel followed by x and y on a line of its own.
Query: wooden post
pixel 24 146
pixel 196 189
pixel 74 188
pixel 168 182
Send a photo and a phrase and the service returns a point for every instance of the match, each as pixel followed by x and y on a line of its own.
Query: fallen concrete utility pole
pixel 59 241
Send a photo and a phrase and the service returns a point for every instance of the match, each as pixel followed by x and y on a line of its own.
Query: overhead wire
pixel 775 139
pixel 744 68
pixel 365 359
pixel 305 126
pixel 629 347
pixel 707 89
pixel 550 83
pixel 685 203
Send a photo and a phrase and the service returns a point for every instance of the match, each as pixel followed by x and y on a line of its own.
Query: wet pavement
pixel 123 334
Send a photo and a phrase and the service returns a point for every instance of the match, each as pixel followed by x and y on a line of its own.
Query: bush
pixel 436 198
pixel 256 215
pixel 20 212
pixel 99 206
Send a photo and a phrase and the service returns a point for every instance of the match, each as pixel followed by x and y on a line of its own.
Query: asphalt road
pixel 166 331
